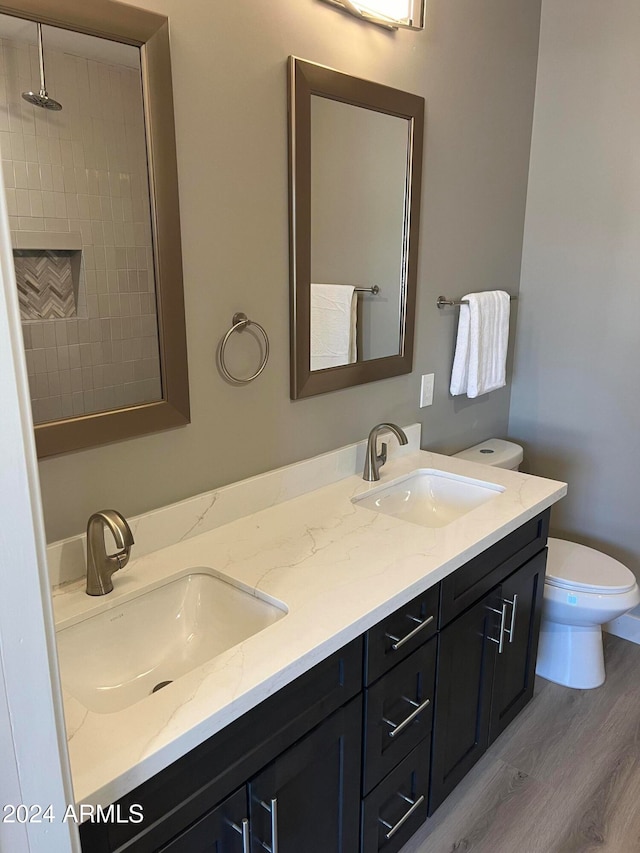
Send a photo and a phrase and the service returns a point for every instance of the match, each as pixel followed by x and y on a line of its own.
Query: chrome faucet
pixel 375 461
pixel 100 565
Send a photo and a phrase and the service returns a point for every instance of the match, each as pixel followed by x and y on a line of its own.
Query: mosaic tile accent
pixel 45 285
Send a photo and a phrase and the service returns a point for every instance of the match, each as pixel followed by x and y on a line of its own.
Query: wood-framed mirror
pixel 92 196
pixel 355 168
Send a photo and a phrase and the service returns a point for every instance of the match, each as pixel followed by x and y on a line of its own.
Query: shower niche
pixel 48 276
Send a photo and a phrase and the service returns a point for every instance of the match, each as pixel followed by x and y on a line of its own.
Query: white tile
pixel 66 152
pixel 35 200
pixel 61 205
pixel 33 176
pixel 31 223
pixel 59 226
pixel 69 179
pixel 58 179
pixel 20 172
pixel 78 155
pixel 49 204
pixel 46 177
pixel 17 146
pixel 84 211
pixel 81 180
pixel 55 153
pixel 72 208
pixel 95 210
pixel 5 144
pixel 12 205
pixel 31 148
pixel 22 202
pixel 44 154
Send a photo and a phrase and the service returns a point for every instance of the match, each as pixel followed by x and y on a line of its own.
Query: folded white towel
pixel 480 361
pixel 333 325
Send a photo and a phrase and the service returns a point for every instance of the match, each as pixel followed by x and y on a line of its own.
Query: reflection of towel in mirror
pixel 333 325
pixel 479 365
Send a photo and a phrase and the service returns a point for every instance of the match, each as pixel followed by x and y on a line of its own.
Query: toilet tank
pixel 496 452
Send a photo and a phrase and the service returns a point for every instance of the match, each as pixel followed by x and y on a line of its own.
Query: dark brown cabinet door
pixel 220 831
pixel 466 658
pixel 516 664
pixel 308 798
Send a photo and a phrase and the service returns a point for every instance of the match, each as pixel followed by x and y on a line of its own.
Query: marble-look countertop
pixel 339 569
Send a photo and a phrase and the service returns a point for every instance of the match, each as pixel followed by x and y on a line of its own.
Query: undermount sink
pixel 429 497
pixel 124 653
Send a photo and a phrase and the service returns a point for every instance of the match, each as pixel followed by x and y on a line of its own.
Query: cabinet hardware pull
pixel 405 817
pixel 398 644
pixel 273 811
pixel 503 619
pixel 244 832
pixel 396 728
pixel 514 606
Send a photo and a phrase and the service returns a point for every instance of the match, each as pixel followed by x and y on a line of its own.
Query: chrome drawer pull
pixel 273 811
pixel 503 619
pixel 396 728
pixel 398 644
pixel 404 818
pixel 514 606
pixel 244 832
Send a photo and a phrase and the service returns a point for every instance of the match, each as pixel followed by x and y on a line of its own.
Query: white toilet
pixel 583 589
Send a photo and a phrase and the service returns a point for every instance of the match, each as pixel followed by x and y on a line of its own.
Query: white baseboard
pixel 627 626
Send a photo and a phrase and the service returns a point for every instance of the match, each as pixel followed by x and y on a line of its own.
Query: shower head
pixel 41 99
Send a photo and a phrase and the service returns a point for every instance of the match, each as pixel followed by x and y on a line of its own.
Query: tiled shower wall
pixel 84 170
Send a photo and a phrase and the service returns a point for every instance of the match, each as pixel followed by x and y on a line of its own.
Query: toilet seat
pixel 574 566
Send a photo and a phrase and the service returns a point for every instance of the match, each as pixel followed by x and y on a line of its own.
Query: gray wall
pixel 475 65
pixel 574 398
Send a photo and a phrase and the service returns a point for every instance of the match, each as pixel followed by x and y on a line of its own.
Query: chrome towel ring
pixel 239 323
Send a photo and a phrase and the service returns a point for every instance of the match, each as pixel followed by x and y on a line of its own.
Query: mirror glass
pixel 87 139
pixel 80 218
pixel 358 198
pixel 355 175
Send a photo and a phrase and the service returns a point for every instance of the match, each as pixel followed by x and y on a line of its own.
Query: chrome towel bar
pixel 443 302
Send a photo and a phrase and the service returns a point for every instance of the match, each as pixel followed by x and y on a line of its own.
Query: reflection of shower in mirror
pixel 95 230
pixel 41 99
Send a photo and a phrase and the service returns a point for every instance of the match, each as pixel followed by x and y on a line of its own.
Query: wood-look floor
pixel 563 778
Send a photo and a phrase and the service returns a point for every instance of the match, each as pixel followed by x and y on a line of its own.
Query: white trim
pixel 12 838
pixel 32 727
pixel 627 626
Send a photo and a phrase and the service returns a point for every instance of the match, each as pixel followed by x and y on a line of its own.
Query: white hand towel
pixel 333 325
pixel 480 361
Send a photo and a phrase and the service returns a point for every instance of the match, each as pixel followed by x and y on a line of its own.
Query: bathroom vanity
pixel 405 651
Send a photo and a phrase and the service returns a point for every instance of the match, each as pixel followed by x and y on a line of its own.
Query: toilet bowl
pixel 583 589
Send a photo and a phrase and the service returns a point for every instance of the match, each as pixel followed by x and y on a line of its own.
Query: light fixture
pixel 390 14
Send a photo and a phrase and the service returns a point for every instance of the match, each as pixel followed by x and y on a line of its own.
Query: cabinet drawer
pixel 473 580
pixel 398 806
pixel 398 713
pixel 400 634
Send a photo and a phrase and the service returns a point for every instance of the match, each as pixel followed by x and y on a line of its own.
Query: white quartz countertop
pixel 339 569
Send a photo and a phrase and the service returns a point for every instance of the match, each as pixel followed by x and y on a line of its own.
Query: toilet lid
pixel 577 567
